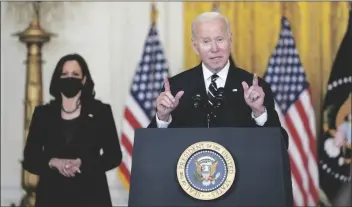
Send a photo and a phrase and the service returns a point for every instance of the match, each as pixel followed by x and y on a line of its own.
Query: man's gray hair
pixel 206 16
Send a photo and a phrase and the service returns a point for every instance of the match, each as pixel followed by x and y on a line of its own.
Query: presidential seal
pixel 206 170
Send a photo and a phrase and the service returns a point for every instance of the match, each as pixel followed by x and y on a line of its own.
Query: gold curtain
pixel 318 29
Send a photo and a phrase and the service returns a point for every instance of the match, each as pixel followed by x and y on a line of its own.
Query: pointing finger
pixel 255 80
pixel 166 84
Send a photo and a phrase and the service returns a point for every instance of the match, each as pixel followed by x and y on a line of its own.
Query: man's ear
pixel 195 46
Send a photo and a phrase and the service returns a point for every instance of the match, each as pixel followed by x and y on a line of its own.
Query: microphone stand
pixel 198 102
pixel 218 102
pixel 208 120
pixel 211 113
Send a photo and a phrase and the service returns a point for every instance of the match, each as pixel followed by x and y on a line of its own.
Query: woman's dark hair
pixel 87 93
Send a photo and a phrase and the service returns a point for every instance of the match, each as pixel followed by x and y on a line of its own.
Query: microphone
pixel 219 99
pixel 197 101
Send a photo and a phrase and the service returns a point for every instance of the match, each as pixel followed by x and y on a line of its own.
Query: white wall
pixel 110 36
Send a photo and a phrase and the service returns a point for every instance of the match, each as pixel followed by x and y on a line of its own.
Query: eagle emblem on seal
pixel 205 170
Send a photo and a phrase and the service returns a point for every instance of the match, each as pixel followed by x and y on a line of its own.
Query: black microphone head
pixel 220 92
pixel 219 98
pixel 197 100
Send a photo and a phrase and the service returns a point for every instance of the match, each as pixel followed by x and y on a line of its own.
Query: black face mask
pixel 70 86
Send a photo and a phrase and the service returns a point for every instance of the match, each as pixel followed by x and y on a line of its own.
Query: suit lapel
pixel 233 86
pixel 199 78
pixel 56 125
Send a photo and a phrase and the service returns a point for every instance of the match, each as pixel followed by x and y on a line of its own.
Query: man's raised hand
pixel 166 102
pixel 254 96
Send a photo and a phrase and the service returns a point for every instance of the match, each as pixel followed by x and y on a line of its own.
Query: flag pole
pixel 283 8
pixel 154 13
pixel 154 18
pixel 215 6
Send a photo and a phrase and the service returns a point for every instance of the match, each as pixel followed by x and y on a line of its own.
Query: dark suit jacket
pixel 96 130
pixel 234 113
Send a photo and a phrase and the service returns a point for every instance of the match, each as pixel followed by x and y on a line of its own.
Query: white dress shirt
pixel 220 82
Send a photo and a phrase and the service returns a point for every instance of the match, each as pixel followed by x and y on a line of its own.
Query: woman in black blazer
pixel 72 141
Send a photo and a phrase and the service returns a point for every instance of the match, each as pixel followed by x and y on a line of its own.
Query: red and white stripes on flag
pixel 293 103
pixel 140 105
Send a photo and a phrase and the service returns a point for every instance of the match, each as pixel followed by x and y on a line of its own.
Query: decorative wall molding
pixel 11 195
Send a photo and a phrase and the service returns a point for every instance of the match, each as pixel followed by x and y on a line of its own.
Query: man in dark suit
pixel 248 99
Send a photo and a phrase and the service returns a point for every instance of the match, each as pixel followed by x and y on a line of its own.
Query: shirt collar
pixel 222 73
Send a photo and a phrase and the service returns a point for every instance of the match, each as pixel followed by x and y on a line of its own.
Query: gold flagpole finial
pixel 283 8
pixel 154 13
pixel 216 5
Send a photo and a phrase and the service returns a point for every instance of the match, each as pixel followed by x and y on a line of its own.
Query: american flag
pixel 293 102
pixel 140 106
